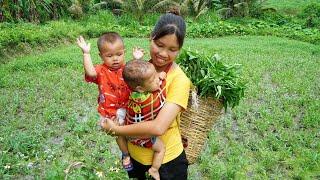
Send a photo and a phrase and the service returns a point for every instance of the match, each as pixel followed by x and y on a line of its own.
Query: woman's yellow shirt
pixel 177 87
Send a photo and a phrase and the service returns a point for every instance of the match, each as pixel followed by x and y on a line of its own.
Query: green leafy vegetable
pixel 213 78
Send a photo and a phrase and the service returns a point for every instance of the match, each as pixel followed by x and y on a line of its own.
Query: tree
pixel 194 8
pixel 137 7
pixel 140 7
pixel 198 7
pixel 240 8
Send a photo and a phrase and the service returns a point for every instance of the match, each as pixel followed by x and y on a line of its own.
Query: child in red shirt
pixel 113 91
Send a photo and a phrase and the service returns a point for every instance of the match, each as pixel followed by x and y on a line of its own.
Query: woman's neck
pixel 166 68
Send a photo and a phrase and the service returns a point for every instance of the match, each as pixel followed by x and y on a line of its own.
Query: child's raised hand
pixel 85 47
pixel 137 53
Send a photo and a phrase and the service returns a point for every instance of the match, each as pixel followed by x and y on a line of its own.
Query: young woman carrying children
pixel 167 39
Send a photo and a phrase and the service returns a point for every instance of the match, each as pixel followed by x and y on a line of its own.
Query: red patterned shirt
pixel 145 107
pixel 113 91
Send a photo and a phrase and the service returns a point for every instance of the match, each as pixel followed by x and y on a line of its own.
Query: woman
pixel 167 39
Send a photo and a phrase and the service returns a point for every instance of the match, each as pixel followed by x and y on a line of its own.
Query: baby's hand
pixel 162 75
pixel 85 47
pixel 138 53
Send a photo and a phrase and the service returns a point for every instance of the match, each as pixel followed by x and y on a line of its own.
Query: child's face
pixel 112 54
pixel 152 82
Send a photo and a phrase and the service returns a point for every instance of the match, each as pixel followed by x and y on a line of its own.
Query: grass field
pixel 48 115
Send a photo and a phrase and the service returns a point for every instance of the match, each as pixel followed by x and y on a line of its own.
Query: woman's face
pixel 164 50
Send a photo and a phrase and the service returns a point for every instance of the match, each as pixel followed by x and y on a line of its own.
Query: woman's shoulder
pixel 177 72
pixel 177 78
pixel 178 87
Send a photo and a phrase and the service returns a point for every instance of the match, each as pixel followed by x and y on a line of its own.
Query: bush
pixel 312 15
pixel 21 35
pixel 311 10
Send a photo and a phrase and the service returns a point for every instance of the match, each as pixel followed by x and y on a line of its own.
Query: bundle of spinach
pixel 212 77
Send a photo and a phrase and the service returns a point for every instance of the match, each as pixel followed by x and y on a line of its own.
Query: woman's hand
pixel 108 124
pixel 85 47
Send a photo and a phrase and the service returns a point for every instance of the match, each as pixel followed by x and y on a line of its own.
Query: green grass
pixel 293 7
pixel 48 115
pixel 22 38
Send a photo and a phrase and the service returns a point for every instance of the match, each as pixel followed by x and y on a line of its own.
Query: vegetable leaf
pixel 212 77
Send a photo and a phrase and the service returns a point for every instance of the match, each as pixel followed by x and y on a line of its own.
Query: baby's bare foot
pixel 154 173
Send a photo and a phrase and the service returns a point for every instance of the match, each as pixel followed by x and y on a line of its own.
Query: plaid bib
pixel 145 107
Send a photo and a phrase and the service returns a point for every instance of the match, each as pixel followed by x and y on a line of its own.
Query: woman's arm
pixel 156 127
pixel 176 101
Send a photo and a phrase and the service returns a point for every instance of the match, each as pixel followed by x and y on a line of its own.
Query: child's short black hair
pixel 109 37
pixel 135 71
pixel 170 23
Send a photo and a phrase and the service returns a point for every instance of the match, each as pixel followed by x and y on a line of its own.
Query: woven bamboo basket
pixel 197 121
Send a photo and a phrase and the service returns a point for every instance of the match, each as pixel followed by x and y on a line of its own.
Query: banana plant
pixel 138 7
pixel 198 7
pixel 194 8
pixel 33 10
pixel 240 8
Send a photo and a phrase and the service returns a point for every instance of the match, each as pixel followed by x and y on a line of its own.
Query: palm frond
pixel 196 4
pixel 202 11
pixel 163 5
pixel 99 5
pixel 140 4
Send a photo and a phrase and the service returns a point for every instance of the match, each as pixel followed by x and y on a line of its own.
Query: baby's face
pixel 112 54
pixel 152 82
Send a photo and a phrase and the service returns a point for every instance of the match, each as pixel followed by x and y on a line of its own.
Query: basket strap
pixel 192 94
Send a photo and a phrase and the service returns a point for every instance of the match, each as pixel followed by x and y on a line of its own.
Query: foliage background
pixel 21 30
pixel 48 116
